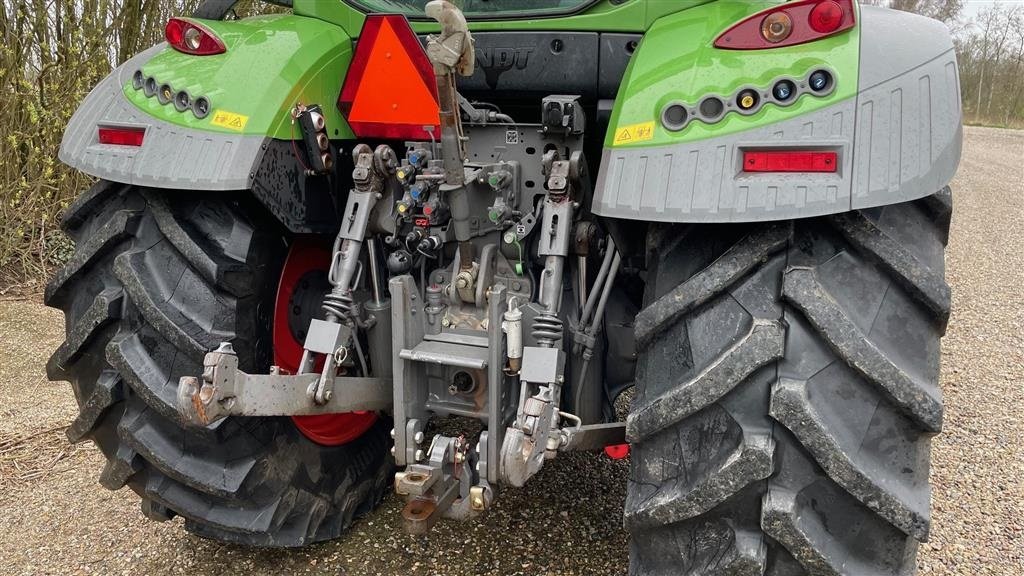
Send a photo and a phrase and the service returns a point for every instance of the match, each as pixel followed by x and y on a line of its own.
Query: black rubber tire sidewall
pixel 186 270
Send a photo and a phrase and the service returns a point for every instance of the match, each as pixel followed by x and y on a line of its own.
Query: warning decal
pixel 634 133
pixel 229 120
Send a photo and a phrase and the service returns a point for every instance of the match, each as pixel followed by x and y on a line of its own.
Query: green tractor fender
pixel 222 122
pixel 675 148
pixel 890 114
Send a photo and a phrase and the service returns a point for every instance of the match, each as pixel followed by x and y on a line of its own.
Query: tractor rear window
pixel 478 9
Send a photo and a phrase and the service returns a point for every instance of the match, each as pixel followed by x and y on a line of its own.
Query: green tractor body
pixel 737 207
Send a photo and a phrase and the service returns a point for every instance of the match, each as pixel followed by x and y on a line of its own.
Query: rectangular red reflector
pixel 122 136
pixel 790 161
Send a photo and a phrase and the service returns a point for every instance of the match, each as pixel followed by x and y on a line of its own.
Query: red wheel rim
pixel 310 255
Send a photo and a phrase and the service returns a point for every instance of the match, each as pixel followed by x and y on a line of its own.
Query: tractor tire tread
pixel 157 280
pixel 807 454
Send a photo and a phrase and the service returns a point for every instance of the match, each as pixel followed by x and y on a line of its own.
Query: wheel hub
pixel 299 294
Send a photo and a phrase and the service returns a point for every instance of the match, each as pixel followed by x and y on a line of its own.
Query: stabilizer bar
pixel 594 437
pixel 224 390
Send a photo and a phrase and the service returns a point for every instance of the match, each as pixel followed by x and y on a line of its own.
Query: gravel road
pixel 56 519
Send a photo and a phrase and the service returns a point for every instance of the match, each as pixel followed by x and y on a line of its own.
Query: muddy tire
pixel 786 395
pixel 159 278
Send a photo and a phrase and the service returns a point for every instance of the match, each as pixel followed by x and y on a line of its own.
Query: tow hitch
pixel 487 329
pixel 223 390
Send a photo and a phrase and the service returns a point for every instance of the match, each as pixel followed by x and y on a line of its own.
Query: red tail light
pixel 790 161
pixel 192 38
pixel 826 17
pixel 390 90
pixel 122 136
pixel 790 24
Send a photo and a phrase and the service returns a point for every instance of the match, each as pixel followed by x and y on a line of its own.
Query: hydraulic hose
pixel 606 264
pixel 595 328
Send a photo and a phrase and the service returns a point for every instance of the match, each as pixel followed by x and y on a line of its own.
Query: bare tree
pixel 1017 74
pixel 52 52
pixel 990 49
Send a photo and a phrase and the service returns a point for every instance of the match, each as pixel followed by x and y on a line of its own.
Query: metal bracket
pixel 224 390
pixel 556 231
pixel 440 487
pixel 542 365
pixel 526 443
pixel 593 437
pixel 373 169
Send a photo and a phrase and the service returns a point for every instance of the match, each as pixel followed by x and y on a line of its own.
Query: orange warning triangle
pixel 392 90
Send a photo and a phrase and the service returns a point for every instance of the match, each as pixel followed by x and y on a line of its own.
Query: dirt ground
pixel 56 519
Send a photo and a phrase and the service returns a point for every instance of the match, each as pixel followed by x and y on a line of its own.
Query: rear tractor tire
pixel 786 394
pixel 158 278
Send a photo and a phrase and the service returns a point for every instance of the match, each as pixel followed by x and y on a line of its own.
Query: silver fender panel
pixel 171 156
pixel 899 140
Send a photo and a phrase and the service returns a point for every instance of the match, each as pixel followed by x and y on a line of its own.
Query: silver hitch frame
pixel 223 390
pixel 479 337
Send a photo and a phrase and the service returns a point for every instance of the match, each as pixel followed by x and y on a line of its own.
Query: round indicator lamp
pixel 747 99
pixel 674 117
pixel 820 81
pixel 783 90
pixel 193 38
pixel 711 108
pixel 776 27
pixel 826 17
pixel 201 107
pixel 182 101
pixel 165 95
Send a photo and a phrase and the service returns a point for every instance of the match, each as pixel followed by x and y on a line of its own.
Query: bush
pixel 52 52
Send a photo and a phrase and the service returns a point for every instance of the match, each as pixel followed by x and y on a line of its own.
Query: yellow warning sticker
pixel 229 120
pixel 634 133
